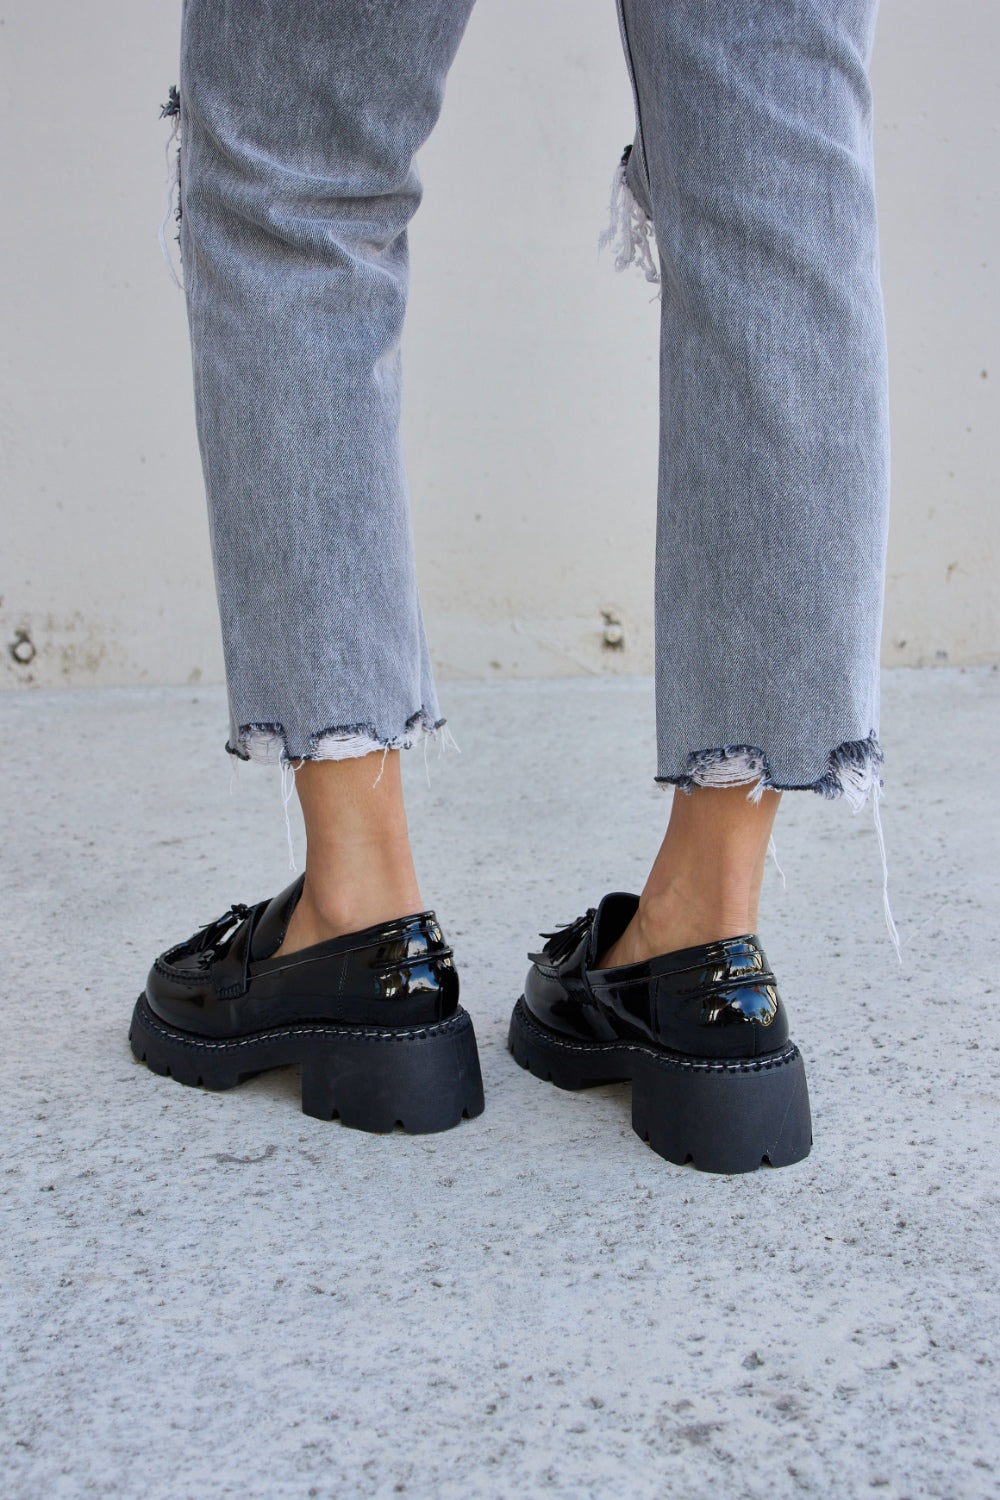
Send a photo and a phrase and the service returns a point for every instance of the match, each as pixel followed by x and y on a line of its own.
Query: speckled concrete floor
pixel 216 1295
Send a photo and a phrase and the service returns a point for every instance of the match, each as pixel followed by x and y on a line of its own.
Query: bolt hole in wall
pixel 613 632
pixel 22 648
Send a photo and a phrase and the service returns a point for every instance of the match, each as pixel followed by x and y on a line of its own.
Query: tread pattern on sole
pixel 723 1115
pixel 371 1078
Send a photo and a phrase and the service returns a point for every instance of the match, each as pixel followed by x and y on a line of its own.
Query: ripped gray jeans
pixel 748 195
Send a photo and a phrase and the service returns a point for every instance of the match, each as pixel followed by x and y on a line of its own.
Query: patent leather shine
pixel 223 982
pixel 718 1000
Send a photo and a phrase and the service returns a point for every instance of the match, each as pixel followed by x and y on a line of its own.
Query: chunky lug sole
pixel 721 1115
pixel 424 1078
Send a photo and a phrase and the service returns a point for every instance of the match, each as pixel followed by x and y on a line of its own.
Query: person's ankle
pixel 329 911
pixel 670 924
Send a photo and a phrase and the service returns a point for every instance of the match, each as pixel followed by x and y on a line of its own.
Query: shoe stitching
pixel 695 1065
pixel 146 1019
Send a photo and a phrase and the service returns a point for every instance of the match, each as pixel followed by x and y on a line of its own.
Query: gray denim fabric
pixel 299 121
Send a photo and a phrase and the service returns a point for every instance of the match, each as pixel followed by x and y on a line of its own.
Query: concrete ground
pixel 214 1295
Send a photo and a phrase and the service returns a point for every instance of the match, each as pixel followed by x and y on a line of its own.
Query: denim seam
pixel 172 111
pixel 630 65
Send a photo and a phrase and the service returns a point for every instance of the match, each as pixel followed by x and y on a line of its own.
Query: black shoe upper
pixel 717 1000
pixel 224 982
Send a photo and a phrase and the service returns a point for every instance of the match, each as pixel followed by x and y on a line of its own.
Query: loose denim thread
pixel 288 769
pixel 172 111
pixel 445 741
pixel 852 773
pixel 629 228
pixel 381 769
pixel 887 909
pixel 266 745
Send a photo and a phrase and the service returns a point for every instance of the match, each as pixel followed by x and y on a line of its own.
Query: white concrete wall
pixel 531 367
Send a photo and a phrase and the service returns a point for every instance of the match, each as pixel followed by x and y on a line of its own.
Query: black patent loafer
pixel 373 1018
pixel 701 1034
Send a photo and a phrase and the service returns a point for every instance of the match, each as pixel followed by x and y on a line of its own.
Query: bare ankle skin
pixel 706 879
pixel 359 865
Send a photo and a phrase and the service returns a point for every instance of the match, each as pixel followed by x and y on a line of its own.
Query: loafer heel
pixel 424 1080
pixel 724 1116
pixel 371 1018
pixel 701 1034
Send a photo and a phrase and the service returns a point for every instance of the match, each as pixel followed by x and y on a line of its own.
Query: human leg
pixel 756 159
pixel 753 164
pixel 753 157
pixel 299 123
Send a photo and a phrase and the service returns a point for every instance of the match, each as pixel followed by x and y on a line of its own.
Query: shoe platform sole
pixel 720 1114
pixel 424 1078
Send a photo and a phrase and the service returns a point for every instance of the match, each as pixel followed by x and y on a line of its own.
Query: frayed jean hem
pixel 267 744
